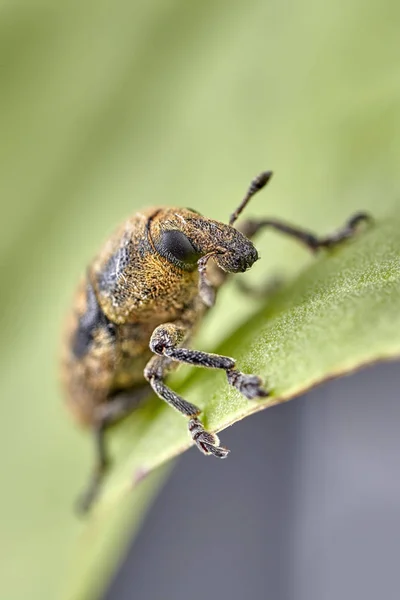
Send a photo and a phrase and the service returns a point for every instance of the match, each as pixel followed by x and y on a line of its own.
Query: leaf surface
pixel 340 314
pixel 109 107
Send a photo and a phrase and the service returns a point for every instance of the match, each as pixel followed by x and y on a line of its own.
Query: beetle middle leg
pixel 106 414
pixel 267 288
pixel 304 236
pixel 165 342
pixel 155 372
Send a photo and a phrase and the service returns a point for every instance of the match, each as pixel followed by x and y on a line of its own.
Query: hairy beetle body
pixel 128 291
pixel 142 298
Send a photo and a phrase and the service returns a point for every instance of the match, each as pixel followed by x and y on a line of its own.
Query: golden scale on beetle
pixel 142 298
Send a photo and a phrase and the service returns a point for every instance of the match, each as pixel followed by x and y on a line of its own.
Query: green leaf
pixel 343 312
pixel 109 107
pixel 340 314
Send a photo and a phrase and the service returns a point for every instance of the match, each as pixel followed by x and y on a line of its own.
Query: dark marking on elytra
pixel 108 278
pixel 92 320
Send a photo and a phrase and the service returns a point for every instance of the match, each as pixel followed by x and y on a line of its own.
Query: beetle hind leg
pixel 91 492
pixel 108 413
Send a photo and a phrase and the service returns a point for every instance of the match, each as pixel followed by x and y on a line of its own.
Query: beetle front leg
pixel 165 342
pixel 155 373
pixel 262 291
pixel 309 239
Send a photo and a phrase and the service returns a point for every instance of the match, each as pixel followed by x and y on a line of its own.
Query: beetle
pixel 138 306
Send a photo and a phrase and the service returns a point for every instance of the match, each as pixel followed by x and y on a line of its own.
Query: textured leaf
pixel 107 107
pixel 341 313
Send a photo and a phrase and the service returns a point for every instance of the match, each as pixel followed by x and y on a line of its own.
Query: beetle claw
pixel 249 385
pixel 207 443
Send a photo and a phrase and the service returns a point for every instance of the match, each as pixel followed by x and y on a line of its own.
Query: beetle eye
pixel 178 249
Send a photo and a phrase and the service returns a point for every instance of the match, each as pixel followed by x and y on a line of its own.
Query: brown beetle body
pixel 130 289
pixel 143 297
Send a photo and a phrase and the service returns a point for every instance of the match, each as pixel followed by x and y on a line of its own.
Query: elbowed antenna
pixel 255 186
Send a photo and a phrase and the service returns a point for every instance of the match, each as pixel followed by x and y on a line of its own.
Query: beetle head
pixel 183 236
pixel 188 240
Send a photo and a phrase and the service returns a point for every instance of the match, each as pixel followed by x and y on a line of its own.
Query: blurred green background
pixel 108 107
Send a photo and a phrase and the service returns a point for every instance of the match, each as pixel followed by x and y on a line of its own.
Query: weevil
pixel 138 306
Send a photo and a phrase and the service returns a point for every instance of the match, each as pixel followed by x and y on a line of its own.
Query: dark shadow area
pixel 306 506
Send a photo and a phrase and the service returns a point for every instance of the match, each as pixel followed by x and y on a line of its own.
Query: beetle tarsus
pixel 249 385
pixel 86 500
pixel 207 442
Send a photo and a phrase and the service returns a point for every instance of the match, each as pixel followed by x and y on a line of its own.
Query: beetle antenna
pixel 255 186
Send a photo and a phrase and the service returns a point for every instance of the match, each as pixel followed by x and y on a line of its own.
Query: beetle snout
pixel 239 260
pixel 244 261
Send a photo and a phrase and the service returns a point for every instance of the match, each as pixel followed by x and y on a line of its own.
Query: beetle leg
pixel 86 500
pixel 108 413
pixel 309 239
pixel 262 291
pixel 165 341
pixel 155 372
pixel 206 288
